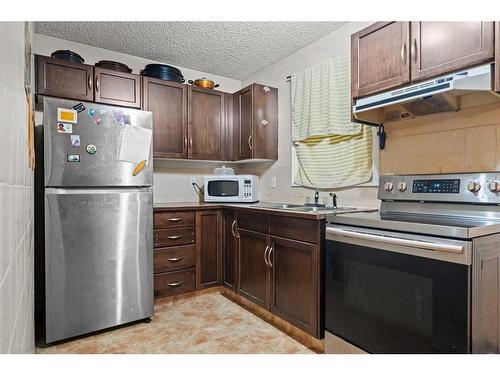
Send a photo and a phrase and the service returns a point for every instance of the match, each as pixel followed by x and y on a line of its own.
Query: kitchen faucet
pixel 316 197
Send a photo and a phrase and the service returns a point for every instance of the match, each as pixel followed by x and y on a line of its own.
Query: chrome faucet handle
pixel 334 199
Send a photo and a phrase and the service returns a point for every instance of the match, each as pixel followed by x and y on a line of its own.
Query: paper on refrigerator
pixel 135 144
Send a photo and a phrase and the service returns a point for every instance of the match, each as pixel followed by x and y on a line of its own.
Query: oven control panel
pixel 459 188
pixel 450 186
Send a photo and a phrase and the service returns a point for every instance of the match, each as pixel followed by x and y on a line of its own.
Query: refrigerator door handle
pixel 97 190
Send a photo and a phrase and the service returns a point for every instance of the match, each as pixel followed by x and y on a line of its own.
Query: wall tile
pixel 16 201
pixel 480 139
pixel 450 142
pixel 480 161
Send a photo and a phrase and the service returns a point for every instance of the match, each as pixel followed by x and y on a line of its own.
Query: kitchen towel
pixel 321 100
pixel 135 144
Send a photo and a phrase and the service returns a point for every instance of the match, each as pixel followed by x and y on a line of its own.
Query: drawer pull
pixel 175 219
pixel 175 284
pixel 176 259
pixel 174 237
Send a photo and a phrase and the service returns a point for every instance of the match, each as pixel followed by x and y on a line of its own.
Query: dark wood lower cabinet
pixel 229 249
pixel 294 282
pixel 254 274
pixel 208 248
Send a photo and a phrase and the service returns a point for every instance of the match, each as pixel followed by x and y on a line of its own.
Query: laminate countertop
pixel 259 206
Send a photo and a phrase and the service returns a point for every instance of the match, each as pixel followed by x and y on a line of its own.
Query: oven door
pixel 388 292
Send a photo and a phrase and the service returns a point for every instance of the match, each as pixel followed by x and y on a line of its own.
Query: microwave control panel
pixel 247 188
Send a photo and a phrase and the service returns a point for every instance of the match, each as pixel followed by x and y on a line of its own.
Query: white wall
pixel 16 199
pixel 274 75
pixel 172 179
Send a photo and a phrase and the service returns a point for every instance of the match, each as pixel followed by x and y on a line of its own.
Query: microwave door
pixel 223 188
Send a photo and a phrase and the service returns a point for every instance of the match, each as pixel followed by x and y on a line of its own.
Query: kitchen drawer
pixel 173 283
pixel 174 258
pixel 294 228
pixel 174 236
pixel 172 219
pixel 253 221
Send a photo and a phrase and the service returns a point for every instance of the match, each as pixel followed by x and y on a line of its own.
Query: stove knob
pixel 494 186
pixel 402 186
pixel 474 186
pixel 388 186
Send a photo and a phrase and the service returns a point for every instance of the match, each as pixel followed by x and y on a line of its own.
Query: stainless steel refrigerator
pixel 94 218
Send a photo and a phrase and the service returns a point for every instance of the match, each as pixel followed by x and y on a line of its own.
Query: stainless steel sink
pixel 303 208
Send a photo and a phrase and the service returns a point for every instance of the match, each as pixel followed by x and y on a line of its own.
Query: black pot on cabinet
pixel 161 71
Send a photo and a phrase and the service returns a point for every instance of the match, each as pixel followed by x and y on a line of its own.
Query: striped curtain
pixel 332 152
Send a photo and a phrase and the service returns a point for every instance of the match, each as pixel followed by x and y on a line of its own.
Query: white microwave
pixel 232 188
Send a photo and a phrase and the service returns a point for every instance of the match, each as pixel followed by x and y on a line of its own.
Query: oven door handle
pixel 458 249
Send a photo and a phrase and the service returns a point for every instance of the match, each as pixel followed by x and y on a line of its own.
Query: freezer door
pixel 98 259
pixel 67 161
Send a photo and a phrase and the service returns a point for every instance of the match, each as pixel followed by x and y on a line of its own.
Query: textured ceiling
pixel 231 49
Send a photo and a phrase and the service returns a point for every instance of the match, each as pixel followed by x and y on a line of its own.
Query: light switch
pixel 273 182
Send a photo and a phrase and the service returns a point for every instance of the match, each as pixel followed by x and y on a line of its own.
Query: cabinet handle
pixel 176 284
pixel 185 141
pixel 265 255
pixel 190 143
pixel 414 50
pixel 175 219
pixel 271 248
pixel 97 83
pixel 233 229
pixel 175 259
pixel 174 237
pixel 250 142
pixel 403 53
pixel 89 82
pixel 264 122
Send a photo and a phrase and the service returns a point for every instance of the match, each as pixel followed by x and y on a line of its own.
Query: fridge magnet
pixel 91 149
pixel 73 158
pixel 139 167
pixel 75 140
pixel 64 128
pixel 67 115
pixel 79 107
pixel 120 118
pixel 91 111
pixel 97 121
pixel 102 112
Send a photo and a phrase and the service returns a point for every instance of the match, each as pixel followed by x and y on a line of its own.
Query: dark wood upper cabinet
pixel 254 275
pixel 206 127
pixel 64 79
pixel 168 102
pixel 229 249
pixel 244 122
pixel 255 121
pixel 441 47
pixel 208 248
pixel 117 88
pixel 294 282
pixel 497 56
pixel 380 57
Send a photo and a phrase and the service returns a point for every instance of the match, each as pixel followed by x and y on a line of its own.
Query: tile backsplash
pixel 464 141
pixel 16 200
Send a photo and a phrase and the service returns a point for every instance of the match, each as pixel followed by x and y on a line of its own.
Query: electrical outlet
pixel 273 182
pixel 193 180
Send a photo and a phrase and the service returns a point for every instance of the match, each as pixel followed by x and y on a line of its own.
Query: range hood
pixel 448 93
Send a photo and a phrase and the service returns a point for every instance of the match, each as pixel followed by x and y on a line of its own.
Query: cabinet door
pixel 244 118
pixel 441 47
pixel 64 79
pixel 205 124
pixel 254 275
pixel 295 283
pixel 168 102
pixel 380 57
pixel 497 56
pixel 265 122
pixel 208 254
pixel 229 249
pixel 117 88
